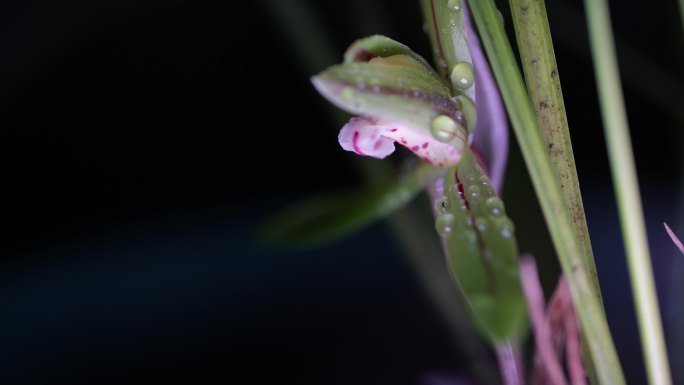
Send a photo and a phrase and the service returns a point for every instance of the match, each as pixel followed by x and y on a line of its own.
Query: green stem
pixel 534 149
pixel 543 84
pixel 627 192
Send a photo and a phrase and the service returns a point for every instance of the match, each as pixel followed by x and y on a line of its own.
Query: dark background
pixel 133 188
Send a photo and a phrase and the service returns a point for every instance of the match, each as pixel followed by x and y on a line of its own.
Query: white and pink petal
pixel 375 138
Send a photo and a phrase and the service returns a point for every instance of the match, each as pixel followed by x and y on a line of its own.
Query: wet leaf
pixel 326 217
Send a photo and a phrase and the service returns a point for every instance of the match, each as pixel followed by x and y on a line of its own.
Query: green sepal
pixel 482 253
pixel 398 88
pixel 374 46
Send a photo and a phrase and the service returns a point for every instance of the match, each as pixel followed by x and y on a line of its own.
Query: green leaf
pixel 330 216
pixel 482 252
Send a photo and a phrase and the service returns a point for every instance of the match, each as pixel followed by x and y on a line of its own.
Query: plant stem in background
pixel 534 149
pixel 627 191
pixel 543 84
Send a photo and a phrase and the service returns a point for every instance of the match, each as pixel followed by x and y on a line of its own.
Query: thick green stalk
pixel 543 84
pixel 627 192
pixel 534 149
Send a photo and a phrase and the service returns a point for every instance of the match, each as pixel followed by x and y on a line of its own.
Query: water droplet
pixel 444 128
pixel 484 181
pixel 442 205
pixel 481 224
pixel 454 5
pixel 469 111
pixel 347 95
pixel 495 206
pixel 462 76
pixel 505 227
pixel 474 192
pixel 445 223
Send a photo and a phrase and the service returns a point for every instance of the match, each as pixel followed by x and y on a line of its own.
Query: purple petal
pixel 490 136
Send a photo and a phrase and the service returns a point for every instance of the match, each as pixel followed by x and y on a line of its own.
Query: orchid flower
pixel 454 120
pixel 399 98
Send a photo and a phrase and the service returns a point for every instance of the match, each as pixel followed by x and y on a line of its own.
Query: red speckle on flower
pixel 425 145
pixel 393 130
pixel 356 146
pixel 427 160
pixel 415 148
pixel 403 140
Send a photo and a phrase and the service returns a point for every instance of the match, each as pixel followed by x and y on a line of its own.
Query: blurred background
pixel 144 142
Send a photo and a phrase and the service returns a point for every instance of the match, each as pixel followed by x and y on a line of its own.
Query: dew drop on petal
pixel 347 95
pixel 442 205
pixel 462 75
pixel 445 223
pixel 495 206
pixel 454 5
pixel 505 227
pixel 481 224
pixel 443 128
pixel 474 192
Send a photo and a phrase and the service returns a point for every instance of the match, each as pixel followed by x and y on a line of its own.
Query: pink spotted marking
pixel 415 148
pixel 355 144
pixel 393 130
pixel 426 144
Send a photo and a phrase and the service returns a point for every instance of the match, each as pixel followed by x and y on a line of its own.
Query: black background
pixel 133 185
